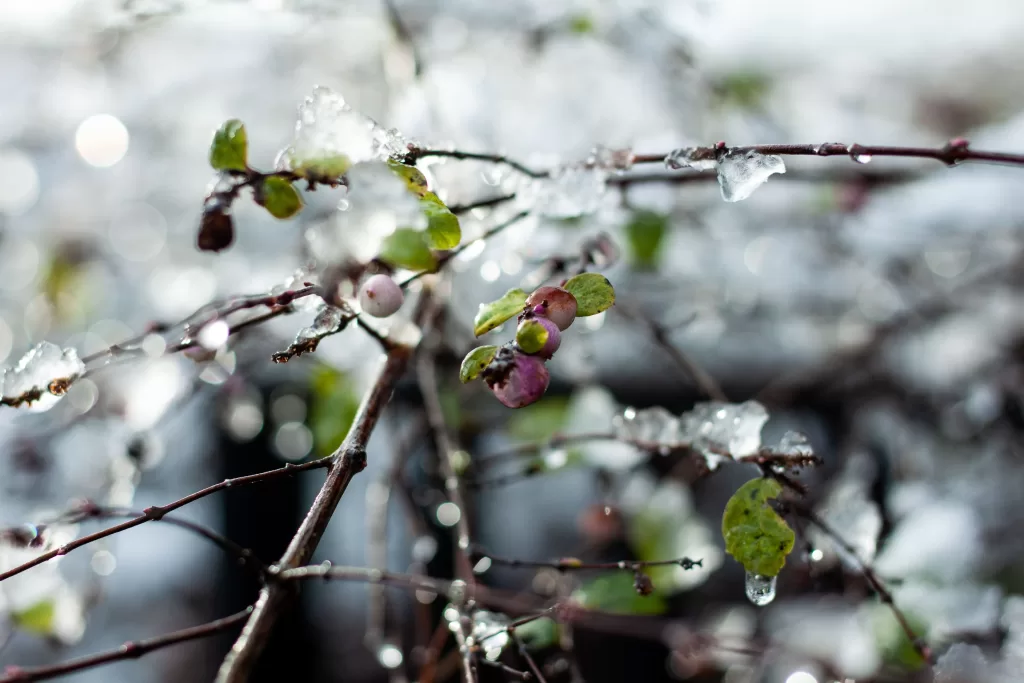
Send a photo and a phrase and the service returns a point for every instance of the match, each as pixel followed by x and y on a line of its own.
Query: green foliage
pixel 614 592
pixel 323 167
pixel 531 336
pixel 593 293
pixel 896 648
pixel 475 362
pixel 496 312
pixel 408 248
pixel 443 229
pixel 539 421
pixel 754 533
pixel 229 150
pixel 332 408
pixel 645 234
pixel 279 197
pixel 36 619
pixel 539 633
pixel 743 89
pixel 581 24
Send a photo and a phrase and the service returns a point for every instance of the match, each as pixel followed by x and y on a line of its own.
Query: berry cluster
pixel 516 372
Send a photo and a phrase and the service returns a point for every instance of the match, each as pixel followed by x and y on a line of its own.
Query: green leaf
pixel 229 150
pixel 581 24
pixel 496 312
pixel 531 336
pixel 319 168
pixel 279 197
pixel 36 619
pixel 593 293
pixel 614 592
pixel 443 229
pixel 332 408
pixel 539 421
pixel 414 179
pixel 754 533
pixel 644 235
pixel 539 633
pixel 475 362
pixel 408 248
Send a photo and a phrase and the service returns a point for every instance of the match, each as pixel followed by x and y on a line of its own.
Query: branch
pixel 156 512
pixel 570 564
pixel 345 463
pixel 130 650
pixel 918 643
pixel 416 153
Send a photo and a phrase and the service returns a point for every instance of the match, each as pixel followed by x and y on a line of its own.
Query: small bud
pixel 553 303
pixel 643 584
pixel 380 296
pixel 519 383
pixel 216 231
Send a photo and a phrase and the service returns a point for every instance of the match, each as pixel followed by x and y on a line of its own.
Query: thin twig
pixel 348 460
pixel 526 655
pixel 918 643
pixel 130 650
pixel 156 512
pixel 417 153
pixel 570 564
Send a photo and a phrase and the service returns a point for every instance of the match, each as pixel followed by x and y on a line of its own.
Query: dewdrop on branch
pixel 760 589
pixel 41 377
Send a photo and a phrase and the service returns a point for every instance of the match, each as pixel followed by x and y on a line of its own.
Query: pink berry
pixel 516 379
pixel 380 296
pixel 553 303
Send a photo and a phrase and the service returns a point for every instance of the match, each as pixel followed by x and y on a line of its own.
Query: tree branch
pixel 130 650
pixel 346 462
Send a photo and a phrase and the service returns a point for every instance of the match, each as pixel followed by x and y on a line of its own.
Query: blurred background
pixel 876 307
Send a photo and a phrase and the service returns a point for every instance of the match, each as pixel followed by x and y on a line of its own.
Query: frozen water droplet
pixel 760 589
pixel 740 173
pixel 329 130
pixel 733 427
pixel 795 443
pixel 689 157
pixel 41 376
pixel 862 158
pixel 343 204
pixel 652 425
pixel 490 632
pixel 568 192
pixel 616 160
pixel 214 335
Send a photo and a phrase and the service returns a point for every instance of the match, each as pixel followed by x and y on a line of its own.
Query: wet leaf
pixel 443 229
pixel 408 248
pixel 279 197
pixel 593 292
pixel 230 147
pixel 475 362
pixel 414 179
pixel 645 234
pixel 754 533
pixel 495 313
pixel 531 336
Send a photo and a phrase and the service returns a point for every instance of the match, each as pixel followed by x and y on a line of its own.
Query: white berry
pixel 380 296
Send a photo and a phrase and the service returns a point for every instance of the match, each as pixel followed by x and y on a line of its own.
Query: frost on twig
pixel 41 377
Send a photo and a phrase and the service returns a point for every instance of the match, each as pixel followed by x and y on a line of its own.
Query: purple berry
pixel 553 303
pixel 554 338
pixel 380 296
pixel 516 379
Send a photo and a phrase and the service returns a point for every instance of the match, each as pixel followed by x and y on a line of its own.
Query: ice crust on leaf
pixel 331 137
pixel 41 377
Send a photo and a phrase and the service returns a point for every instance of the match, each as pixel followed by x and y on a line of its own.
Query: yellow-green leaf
pixel 408 248
pixel 495 313
pixel 754 533
pixel 414 179
pixel 36 619
pixel 279 197
pixel 593 292
pixel 443 229
pixel 645 233
pixel 229 150
pixel 475 362
pixel 614 592
pixel 332 408
pixel 531 336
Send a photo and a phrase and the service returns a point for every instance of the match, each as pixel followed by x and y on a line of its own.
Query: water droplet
pixel 760 589
pixel 862 158
pixel 343 204
pixel 740 173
